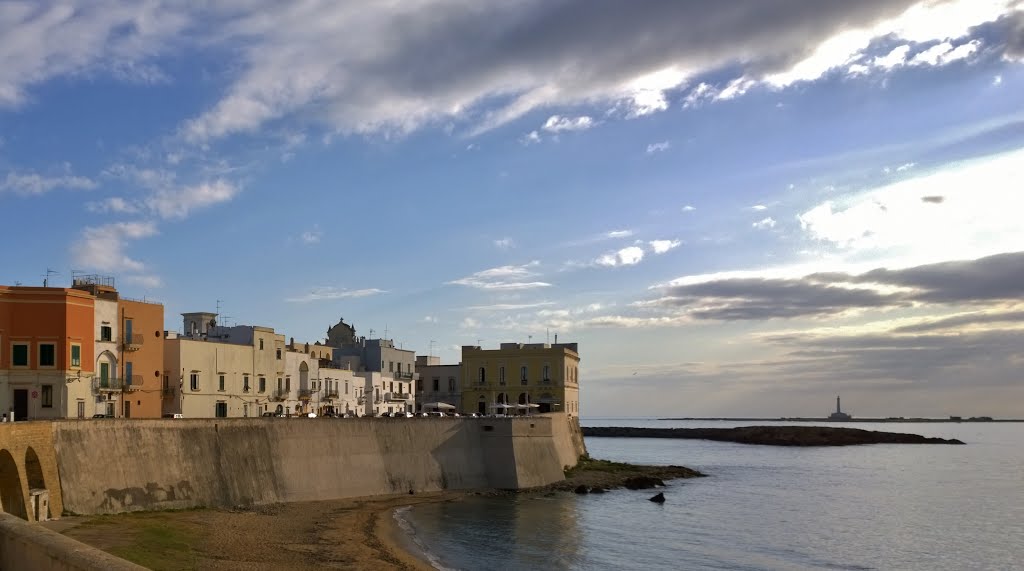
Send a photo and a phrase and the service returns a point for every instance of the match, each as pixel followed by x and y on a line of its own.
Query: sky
pixel 735 208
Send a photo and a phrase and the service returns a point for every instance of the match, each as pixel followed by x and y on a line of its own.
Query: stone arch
pixel 34 473
pixel 481 405
pixel 110 360
pixel 12 496
pixel 523 398
pixel 303 375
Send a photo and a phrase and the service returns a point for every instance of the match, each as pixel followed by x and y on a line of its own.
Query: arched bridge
pixel 29 482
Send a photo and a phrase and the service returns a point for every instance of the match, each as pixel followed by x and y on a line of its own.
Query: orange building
pixel 46 352
pixel 142 357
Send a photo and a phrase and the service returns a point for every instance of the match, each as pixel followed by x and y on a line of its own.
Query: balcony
pixel 107 385
pixel 279 395
pixel 401 375
pixel 395 397
pixel 331 394
pixel 133 383
pixel 361 400
pixel 305 394
pixel 132 342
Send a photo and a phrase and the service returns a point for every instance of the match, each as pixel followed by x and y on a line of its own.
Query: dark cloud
pixel 985 280
pixel 1014 46
pixel 957 321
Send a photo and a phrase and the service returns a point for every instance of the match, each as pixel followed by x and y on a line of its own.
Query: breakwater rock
pixel 597 476
pixel 772 435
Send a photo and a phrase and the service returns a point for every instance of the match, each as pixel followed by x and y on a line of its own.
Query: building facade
pixel 437 383
pixel 517 378
pixel 47 352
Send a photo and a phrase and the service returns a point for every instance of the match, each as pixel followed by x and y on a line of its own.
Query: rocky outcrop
pixel 599 476
pixel 658 498
pixel 773 435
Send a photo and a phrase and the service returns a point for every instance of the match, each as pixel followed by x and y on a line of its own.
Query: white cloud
pixel 662 246
pixel 530 138
pixel 759 207
pixel 504 243
pixel 113 204
pixel 628 256
pixel 102 247
pixel 658 147
pixel 145 281
pixel 944 53
pixel 503 278
pixel 619 234
pixel 429 319
pixel 764 224
pixel 893 225
pixel 698 95
pixel 327 293
pixel 905 167
pixel 997 80
pixel 312 236
pixel 179 202
pixel 558 123
pixel 510 306
pixel 897 57
pixel 33 183
pixel 689 208
pixel 469 323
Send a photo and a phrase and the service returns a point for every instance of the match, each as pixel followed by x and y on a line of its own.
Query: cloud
pixel 658 147
pixel 558 123
pixel 510 306
pixel 35 184
pixel 993 279
pixel 102 247
pixel 905 167
pixel 469 323
pixel 689 208
pixel 530 138
pixel 759 207
pixel 619 234
pixel 504 243
pixel 113 204
pixel 662 246
pixel 503 278
pixel 312 236
pixel 764 224
pixel 180 202
pixel 145 281
pixel 328 293
pixel 627 256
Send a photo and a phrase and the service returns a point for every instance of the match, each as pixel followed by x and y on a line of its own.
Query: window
pixel 278 354
pixel 221 410
pixel 47 396
pixel 76 355
pixel 483 375
pixel 245 410
pixel 391 366
pixel 547 373
pixel 522 375
pixel 346 387
pixel 280 384
pixel 501 375
pixel 46 355
pixel 245 384
pixel 194 381
pixel 81 409
pixel 19 355
pixel 263 385
pixel 128 374
pixel 106 333
pixel 288 384
pixel 128 329
pixel 220 383
pixel 437 382
pixel 261 344
pixel 451 384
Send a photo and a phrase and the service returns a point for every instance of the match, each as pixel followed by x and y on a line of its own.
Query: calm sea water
pixel 863 507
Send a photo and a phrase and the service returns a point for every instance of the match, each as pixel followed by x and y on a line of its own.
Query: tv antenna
pixel 46 278
pixel 430 350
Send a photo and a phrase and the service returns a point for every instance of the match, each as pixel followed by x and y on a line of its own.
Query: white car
pixel 437 414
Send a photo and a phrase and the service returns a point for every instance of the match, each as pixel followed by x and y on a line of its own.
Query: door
pixel 81 409
pixel 20 404
pixel 104 375
pixel 110 409
pixel 127 408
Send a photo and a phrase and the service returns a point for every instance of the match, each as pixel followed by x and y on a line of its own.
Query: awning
pixel 441 405
pixel 528 405
pixel 501 406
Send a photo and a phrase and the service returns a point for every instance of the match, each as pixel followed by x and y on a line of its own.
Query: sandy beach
pixel 358 533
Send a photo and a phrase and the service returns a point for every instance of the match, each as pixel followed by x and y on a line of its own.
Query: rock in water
pixel 642 483
pixel 658 499
pixel 597 491
pixel 581 489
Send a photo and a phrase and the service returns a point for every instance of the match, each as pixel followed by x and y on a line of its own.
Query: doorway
pixel 127 408
pixel 20 404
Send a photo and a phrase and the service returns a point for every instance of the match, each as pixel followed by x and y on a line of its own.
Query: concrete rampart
pixel 27 546
pixel 115 465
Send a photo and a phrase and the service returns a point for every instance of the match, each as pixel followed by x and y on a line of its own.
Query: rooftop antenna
pixel 46 279
pixel 385 331
pixel 547 335
pixel 529 338
pixel 219 301
pixel 430 350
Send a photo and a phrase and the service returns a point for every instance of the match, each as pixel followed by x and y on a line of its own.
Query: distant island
pixel 771 435
pixel 825 419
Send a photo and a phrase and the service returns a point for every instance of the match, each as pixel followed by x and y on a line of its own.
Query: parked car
pixel 101 415
pixel 404 415
pixel 437 414
pixel 384 415
pixel 424 414
pixel 174 415
pixel 473 415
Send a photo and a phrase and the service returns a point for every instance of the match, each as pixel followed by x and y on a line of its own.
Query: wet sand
pixel 358 533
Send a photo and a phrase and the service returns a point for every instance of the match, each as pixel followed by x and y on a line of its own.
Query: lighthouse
pixel 839 414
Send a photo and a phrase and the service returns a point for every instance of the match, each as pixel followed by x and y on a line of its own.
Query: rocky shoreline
pixel 772 435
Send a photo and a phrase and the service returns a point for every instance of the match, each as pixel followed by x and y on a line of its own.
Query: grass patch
pixel 159 546
pixel 588 464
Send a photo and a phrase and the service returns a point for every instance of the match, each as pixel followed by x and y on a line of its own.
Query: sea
pixel 896 506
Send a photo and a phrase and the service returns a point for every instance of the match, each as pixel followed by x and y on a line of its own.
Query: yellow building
pixel 519 377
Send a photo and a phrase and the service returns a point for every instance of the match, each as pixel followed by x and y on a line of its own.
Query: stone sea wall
pixel 112 465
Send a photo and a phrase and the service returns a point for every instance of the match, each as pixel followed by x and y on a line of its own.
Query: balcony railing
pixel 401 375
pixel 133 383
pixel 396 397
pixel 279 395
pixel 107 385
pixel 361 400
pixel 331 394
pixel 132 342
pixel 305 394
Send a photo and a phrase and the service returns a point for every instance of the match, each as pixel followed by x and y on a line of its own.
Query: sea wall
pixel 115 465
pixel 27 546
